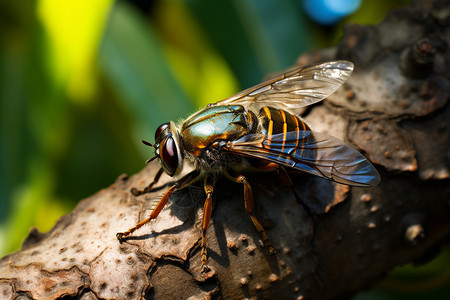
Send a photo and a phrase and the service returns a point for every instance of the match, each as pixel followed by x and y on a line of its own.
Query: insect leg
pixel 146 190
pixel 249 205
pixel 183 182
pixel 209 187
pixel 284 176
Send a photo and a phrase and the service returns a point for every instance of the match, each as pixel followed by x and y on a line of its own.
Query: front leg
pixel 146 190
pixel 183 182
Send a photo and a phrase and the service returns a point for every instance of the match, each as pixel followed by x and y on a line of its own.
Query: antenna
pixel 148 144
pixel 150 159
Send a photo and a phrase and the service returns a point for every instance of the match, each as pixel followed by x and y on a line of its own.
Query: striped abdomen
pixel 285 133
pixel 274 121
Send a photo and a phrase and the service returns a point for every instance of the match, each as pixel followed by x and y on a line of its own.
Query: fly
pixel 259 127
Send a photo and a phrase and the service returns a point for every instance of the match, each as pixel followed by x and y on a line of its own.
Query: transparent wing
pixel 295 88
pixel 316 153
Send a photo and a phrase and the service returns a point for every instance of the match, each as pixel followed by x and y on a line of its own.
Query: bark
pixel 394 109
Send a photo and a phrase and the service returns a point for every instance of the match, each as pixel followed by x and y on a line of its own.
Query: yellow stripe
pixel 303 125
pixel 284 129
pixel 270 129
pixel 297 129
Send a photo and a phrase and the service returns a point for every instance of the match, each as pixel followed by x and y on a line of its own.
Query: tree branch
pixel 394 108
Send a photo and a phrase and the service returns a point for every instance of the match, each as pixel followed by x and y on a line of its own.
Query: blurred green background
pixel 82 82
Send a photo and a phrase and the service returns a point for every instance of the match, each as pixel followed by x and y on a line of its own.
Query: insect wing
pixel 296 88
pixel 315 153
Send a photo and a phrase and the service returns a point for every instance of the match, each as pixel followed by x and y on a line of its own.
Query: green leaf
pixel 133 61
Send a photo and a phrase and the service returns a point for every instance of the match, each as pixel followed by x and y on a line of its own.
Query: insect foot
pixel 207 272
pixel 205 269
pixel 121 237
pixel 137 192
pixel 271 249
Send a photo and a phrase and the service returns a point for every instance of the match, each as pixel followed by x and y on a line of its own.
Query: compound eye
pixel 169 156
pixel 160 129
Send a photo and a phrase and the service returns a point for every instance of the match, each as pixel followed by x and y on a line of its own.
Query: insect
pixel 257 128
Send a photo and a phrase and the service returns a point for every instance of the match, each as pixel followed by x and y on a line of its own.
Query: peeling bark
pixel 394 108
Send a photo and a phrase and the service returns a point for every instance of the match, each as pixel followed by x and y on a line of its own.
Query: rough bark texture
pixel 394 108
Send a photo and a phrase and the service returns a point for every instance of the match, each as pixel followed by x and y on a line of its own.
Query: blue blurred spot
pixel 328 12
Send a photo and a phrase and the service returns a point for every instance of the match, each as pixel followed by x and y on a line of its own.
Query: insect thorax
pixel 215 160
pixel 219 123
pixel 204 131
